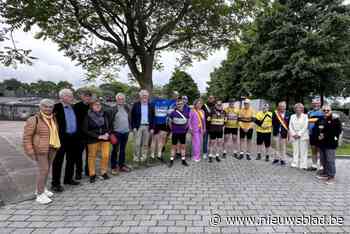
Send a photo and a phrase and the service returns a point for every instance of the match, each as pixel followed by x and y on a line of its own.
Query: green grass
pixel 130 150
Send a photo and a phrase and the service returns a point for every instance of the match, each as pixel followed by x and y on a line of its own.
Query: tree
pixel 12 84
pixel 104 34
pixel 300 48
pixel 63 85
pixel 46 88
pixel 11 55
pixel 292 50
pixel 183 83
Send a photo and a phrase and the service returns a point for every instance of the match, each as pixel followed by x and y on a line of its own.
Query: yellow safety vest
pixel 266 126
pixel 231 120
pixel 246 118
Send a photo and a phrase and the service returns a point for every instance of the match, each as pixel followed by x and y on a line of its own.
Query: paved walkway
pixel 163 200
pixel 180 199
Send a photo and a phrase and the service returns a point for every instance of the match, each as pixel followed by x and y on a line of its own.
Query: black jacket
pixel 92 131
pixel 331 129
pixel 81 109
pixel 276 125
pixel 61 120
pixel 136 115
pixel 208 108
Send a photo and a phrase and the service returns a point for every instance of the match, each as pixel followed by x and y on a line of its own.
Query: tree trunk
pixel 145 78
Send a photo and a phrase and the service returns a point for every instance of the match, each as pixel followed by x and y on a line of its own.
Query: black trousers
pixel 80 159
pixel 70 150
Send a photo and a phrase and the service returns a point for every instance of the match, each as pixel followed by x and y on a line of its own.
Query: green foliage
pixel 104 34
pixel 40 88
pixel 294 49
pixel 11 55
pixel 183 83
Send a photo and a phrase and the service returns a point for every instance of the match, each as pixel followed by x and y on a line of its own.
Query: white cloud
pixel 53 65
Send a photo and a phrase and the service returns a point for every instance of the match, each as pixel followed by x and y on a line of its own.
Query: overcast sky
pixel 53 65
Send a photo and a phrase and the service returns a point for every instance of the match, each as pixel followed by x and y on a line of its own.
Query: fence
pixel 17 111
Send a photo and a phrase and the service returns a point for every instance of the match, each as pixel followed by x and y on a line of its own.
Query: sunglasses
pixel 326 110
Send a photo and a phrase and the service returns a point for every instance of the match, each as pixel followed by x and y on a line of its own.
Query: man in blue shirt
pixel 142 125
pixel 314 115
pixel 161 109
pixel 68 133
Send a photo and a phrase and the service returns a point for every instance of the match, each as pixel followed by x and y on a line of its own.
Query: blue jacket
pixel 314 116
pixel 136 115
pixel 161 109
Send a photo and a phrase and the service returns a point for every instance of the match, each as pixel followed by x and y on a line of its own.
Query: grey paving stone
pixel 178 200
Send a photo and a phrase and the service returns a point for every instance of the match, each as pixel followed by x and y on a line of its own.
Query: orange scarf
pixel 200 117
pixel 281 120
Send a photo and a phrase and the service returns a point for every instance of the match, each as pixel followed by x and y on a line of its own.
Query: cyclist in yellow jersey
pixel 215 129
pixel 263 120
pixel 246 124
pixel 231 128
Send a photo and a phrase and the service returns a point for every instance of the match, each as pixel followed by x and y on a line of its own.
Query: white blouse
pixel 299 126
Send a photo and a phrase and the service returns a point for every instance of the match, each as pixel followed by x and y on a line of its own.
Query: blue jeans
pixel 205 142
pixel 327 158
pixel 122 141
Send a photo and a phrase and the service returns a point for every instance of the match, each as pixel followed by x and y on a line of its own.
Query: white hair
pixel 46 102
pixel 327 105
pixel 65 92
pixel 143 92
pixel 298 105
pixel 120 95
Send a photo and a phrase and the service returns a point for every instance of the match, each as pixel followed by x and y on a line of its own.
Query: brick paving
pixel 178 200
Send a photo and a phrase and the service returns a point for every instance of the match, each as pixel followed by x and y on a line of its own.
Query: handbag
pixel 113 139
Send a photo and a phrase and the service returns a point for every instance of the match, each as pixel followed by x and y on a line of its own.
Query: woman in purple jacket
pixel 197 128
pixel 178 119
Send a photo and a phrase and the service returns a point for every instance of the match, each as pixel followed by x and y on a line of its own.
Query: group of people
pixel 65 130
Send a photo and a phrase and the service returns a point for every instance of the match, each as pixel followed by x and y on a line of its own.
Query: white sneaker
pixel 47 192
pixel 43 199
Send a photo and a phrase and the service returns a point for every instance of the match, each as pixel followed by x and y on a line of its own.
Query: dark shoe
pixel 78 177
pixel 240 157
pixel 171 163
pixel 248 157
pixel 224 155
pixel 57 188
pixel 283 162
pixel 124 169
pixel 267 158
pixel 217 159
pixel 92 179
pixel 235 155
pixel 275 161
pixel 311 169
pixel 72 182
pixel 184 163
pixel 210 159
pixel 258 157
pixel 105 176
